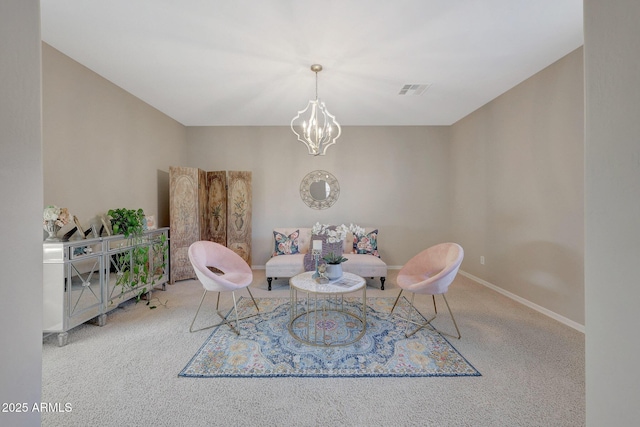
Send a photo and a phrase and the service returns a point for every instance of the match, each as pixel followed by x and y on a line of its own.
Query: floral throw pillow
pixel 366 243
pixel 286 245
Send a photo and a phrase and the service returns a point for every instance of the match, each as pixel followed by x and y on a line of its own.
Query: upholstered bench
pixel 290 264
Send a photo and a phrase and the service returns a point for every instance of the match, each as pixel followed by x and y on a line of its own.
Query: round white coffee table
pixel 320 303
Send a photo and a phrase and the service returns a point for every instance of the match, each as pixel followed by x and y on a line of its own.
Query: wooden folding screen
pixel 214 205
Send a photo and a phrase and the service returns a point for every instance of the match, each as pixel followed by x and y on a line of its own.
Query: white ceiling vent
pixel 413 89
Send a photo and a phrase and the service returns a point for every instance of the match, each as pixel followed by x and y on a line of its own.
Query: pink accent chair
pixel 430 272
pixel 232 273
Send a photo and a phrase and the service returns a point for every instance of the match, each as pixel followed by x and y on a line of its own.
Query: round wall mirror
pixel 319 189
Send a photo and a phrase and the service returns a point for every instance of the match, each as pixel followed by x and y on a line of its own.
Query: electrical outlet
pixel 482 260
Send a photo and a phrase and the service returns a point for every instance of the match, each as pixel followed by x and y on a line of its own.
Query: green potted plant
pixel 334 265
pixel 138 267
pixel 129 222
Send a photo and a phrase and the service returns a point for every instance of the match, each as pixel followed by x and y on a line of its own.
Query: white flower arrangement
pixel 333 235
pixel 318 228
pixel 60 216
pixel 356 230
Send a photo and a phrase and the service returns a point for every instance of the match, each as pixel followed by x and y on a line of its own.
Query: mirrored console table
pixel 83 279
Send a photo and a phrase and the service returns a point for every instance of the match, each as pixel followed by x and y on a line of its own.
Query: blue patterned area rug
pixel 265 348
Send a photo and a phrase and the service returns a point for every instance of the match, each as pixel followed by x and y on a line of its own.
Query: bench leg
pixel 382 279
pixel 269 283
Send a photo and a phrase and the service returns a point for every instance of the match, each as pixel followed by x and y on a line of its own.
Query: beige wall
pixel 393 178
pixel 21 210
pixel 103 147
pixel 518 191
pixel 612 211
pixel 506 182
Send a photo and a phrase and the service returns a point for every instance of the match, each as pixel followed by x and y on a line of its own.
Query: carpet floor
pixel 125 373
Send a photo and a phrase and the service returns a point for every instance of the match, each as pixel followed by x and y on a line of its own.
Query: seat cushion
pixel 365 265
pixel 285 265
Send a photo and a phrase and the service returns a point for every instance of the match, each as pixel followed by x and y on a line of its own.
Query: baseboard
pixel 574 325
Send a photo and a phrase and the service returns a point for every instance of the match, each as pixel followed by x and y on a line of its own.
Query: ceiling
pixel 247 62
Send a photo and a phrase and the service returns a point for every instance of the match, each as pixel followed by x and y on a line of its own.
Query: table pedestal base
pixel 320 308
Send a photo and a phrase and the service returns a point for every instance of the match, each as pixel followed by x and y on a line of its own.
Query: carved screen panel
pixel 187 196
pixel 239 213
pixel 217 207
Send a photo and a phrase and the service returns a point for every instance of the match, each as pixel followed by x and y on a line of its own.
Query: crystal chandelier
pixel 315 126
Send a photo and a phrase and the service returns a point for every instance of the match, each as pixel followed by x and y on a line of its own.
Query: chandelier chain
pixel 316 85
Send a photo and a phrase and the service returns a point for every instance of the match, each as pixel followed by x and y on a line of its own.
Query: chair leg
pixel 394 304
pixel 452 318
pixel 223 317
pixel 235 308
pixel 198 311
pixel 410 319
pixel 254 300
pixel 428 322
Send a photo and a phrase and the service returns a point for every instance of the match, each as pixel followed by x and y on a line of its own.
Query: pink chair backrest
pixel 237 273
pixel 438 265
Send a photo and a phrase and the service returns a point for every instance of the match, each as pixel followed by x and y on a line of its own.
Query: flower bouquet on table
pixel 334 233
pixel 53 219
